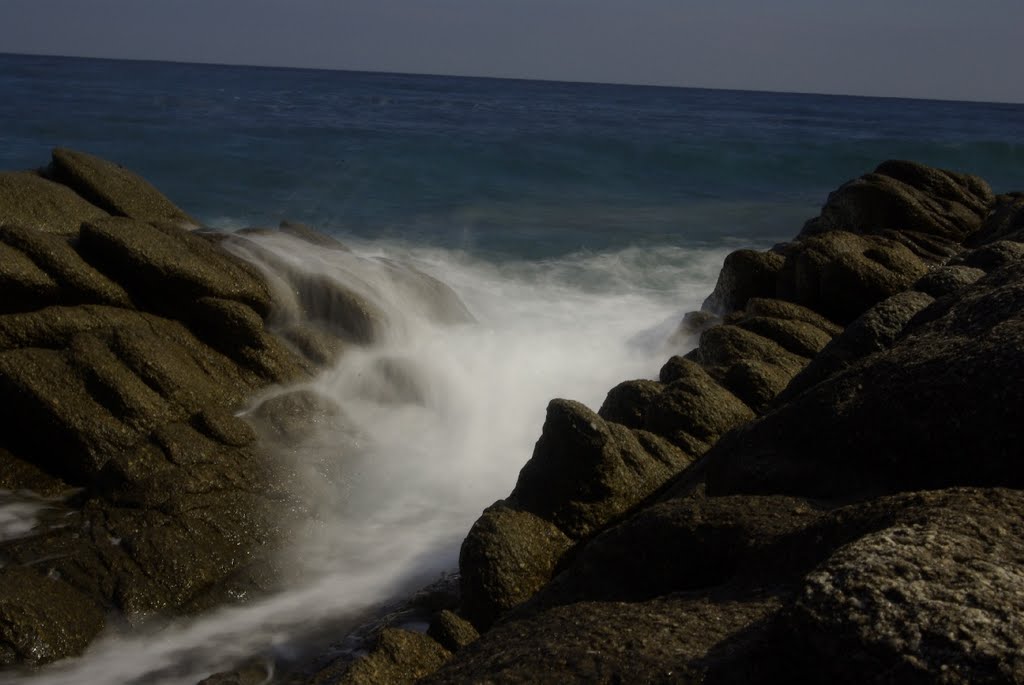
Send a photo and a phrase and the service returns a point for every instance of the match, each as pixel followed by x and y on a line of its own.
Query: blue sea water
pixel 578 222
pixel 505 168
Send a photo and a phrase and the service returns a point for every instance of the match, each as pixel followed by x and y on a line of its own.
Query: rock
pixel 452 632
pixel 745 274
pixel 946 280
pixel 28 199
pixel 938 600
pixel 73 280
pixel 991 256
pixel 840 274
pixel 780 309
pixel 875 330
pixel 691 411
pixel 906 196
pixel 688 544
pixel 170 266
pixel 670 639
pixel 113 188
pixel 126 348
pixel 400 656
pixel 585 470
pixel 42 618
pixel 750 366
pixel 800 338
pixel 1005 222
pixel 507 556
pixel 903 418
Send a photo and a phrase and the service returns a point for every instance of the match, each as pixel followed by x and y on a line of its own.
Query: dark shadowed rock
pixel 875 330
pixel 113 188
pixel 745 274
pixel 665 640
pixel 28 199
pixel 906 196
pixel 946 280
pixel 1005 222
pixel 935 410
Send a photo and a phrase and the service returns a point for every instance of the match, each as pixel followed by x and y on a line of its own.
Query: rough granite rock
pixel 113 188
pixel 126 347
pixel 28 199
pixel 399 657
pixel 939 408
pixel 745 274
pixel 938 598
pixel 585 470
pixel 507 556
pixel 1005 222
pixel 907 197
pixel 840 274
pixel 452 631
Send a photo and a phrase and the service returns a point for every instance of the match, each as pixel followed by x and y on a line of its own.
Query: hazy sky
pixel 950 49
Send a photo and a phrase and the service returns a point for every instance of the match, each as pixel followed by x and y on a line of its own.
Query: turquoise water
pixel 503 168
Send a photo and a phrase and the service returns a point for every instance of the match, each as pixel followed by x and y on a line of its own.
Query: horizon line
pixel 383 72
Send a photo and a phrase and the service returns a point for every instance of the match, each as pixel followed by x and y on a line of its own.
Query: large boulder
pixel 938 598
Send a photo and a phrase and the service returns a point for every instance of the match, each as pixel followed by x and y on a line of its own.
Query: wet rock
pixel 745 274
pixel 906 196
pixel 28 199
pixel 113 188
pixel 671 639
pixel 42 618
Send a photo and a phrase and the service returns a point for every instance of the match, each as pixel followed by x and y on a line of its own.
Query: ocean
pixel 578 223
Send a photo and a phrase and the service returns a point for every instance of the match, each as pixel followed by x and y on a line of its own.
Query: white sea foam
pixel 19 514
pixel 570 327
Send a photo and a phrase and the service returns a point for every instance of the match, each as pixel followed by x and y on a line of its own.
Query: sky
pixel 942 49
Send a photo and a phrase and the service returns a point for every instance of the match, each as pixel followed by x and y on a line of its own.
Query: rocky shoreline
pixel 825 488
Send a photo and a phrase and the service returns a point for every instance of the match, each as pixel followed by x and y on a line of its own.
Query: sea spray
pixel 412 468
